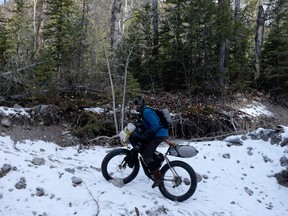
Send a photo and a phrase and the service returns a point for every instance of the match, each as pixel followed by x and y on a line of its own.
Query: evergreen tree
pixel 16 39
pixel 275 54
pixel 61 33
pixel 19 35
pixel 240 72
pixel 3 41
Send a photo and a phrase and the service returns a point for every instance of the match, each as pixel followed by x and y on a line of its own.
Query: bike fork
pixel 177 179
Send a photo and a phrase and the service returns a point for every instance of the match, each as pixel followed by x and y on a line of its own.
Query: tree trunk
pixel 112 88
pixel 38 24
pixel 34 24
pixel 221 61
pixel 259 39
pixel 221 48
pixel 125 84
pixel 237 10
pixel 155 22
pixel 84 26
pixel 115 24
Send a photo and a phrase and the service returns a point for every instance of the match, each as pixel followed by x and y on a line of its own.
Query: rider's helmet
pixel 138 102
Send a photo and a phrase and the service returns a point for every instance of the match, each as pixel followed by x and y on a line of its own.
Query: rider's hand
pixel 135 149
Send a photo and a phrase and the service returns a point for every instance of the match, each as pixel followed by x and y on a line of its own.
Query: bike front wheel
pixel 114 166
pixel 179 182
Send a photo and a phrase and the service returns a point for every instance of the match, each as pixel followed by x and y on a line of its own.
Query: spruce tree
pixel 275 55
pixel 3 41
pixel 19 36
pixel 61 32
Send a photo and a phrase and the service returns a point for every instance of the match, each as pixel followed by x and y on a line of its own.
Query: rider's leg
pixel 147 155
pixel 156 174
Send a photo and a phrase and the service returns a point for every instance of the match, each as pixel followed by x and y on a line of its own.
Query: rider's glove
pixel 136 148
pixel 131 158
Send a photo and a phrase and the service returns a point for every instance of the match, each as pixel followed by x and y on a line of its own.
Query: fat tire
pixel 193 184
pixel 112 154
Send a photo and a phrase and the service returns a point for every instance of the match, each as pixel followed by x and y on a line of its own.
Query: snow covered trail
pixel 237 181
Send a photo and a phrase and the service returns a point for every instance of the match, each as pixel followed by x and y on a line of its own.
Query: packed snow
pixel 40 178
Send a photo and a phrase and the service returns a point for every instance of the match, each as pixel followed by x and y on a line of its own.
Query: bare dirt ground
pixel 61 133
pixel 57 134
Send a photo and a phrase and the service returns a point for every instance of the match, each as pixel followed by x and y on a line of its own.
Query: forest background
pixel 81 53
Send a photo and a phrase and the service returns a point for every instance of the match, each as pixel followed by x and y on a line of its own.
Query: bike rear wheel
pixel 179 182
pixel 114 166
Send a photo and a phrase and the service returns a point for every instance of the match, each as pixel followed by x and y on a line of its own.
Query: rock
pixel 5 169
pixel 38 161
pixel 21 184
pixel 265 134
pixel 6 122
pixel 17 106
pixel 70 170
pixel 76 181
pixel 244 137
pixel 283 161
pixel 261 133
pixel 198 177
pixel 40 191
pixel 117 182
pixel 226 156
pixel 205 176
pixel 233 141
pixel 282 178
pixel 284 142
pixel 267 159
pixel 248 191
pixel 275 139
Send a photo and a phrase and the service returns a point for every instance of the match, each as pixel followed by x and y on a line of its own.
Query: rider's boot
pixel 157 178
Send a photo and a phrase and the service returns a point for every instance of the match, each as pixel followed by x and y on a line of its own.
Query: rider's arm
pixel 151 118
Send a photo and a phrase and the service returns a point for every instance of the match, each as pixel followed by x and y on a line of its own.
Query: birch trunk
pixel 38 23
pixel 259 39
pixel 112 88
pixel 237 11
pixel 85 9
pixel 125 84
pixel 155 22
pixel 115 23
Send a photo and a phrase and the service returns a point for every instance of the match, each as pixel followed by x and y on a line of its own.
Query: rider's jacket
pixel 152 121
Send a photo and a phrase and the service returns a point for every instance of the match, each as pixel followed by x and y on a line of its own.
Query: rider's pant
pixel 148 151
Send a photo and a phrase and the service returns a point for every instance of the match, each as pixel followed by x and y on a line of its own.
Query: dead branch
pixel 95 200
pixel 209 138
pixel 20 69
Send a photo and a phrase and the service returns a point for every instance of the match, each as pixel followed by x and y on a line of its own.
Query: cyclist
pixel 147 138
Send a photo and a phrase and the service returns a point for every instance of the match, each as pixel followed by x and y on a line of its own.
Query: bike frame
pixel 166 159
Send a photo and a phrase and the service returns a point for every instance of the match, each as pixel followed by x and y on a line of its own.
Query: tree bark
pixel 259 40
pixel 221 48
pixel 155 22
pixel 115 24
pixel 112 88
pixel 34 24
pixel 38 24
pixel 125 84
pixel 237 10
pixel 84 26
